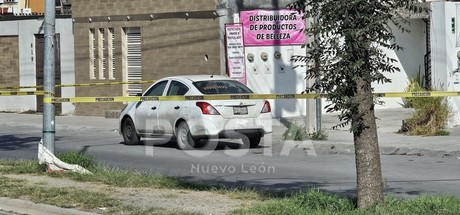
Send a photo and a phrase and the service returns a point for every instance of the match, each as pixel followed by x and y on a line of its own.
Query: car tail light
pixel 266 108
pixel 207 108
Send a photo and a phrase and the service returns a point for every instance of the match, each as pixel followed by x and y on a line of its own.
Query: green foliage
pixel 442 133
pixel 295 132
pixel 318 135
pixel 299 133
pixel 431 114
pixel 415 85
pixel 85 161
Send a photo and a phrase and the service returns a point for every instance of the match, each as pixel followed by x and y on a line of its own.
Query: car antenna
pixel 206 59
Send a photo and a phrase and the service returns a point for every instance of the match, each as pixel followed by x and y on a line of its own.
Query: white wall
pixel 277 76
pixel 444 49
pixel 410 61
pixel 65 28
pixel 26 29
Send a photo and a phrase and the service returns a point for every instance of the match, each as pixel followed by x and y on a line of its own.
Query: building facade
pixel 141 40
pixel 147 40
pixel 22 60
pixel 107 41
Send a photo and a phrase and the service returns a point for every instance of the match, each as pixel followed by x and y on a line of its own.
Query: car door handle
pixel 154 108
pixel 177 107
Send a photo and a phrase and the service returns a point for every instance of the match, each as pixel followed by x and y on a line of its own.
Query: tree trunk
pixel 368 167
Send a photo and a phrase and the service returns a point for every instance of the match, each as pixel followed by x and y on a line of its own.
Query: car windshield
pixel 221 87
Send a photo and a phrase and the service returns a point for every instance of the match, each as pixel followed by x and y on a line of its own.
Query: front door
pixel 146 117
pixel 170 110
pixel 39 68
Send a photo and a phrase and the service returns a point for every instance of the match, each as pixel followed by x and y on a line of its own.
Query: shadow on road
pixel 210 145
pixel 12 142
pixel 277 189
pixel 294 187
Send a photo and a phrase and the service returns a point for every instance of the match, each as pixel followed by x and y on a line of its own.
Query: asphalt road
pixel 272 167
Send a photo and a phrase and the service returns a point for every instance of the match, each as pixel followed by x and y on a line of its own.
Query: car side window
pixel 157 89
pixel 177 89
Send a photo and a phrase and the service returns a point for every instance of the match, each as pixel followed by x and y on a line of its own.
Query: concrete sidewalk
pixel 388 121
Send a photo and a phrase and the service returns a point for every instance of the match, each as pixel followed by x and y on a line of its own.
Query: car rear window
pixel 221 87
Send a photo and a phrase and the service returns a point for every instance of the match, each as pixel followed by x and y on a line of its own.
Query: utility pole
pixel 49 70
pixel 318 81
pixel 313 105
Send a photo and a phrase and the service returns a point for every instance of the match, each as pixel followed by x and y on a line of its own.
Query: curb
pixel 348 148
pixel 27 207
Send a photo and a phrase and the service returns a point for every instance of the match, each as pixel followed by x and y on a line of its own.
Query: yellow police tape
pixel 26 93
pixel 78 85
pixel 178 98
pixel 418 94
pixel 233 97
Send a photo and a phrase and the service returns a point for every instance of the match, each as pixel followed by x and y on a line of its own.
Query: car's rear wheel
pixel 251 142
pixel 129 132
pixel 184 138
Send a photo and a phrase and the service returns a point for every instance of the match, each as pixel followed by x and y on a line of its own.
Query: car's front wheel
pixel 129 132
pixel 184 138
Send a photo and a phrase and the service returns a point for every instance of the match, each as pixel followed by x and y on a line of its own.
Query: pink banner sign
pixel 272 27
pixel 235 52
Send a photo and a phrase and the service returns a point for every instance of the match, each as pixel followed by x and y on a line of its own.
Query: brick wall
pixel 169 46
pixel 9 61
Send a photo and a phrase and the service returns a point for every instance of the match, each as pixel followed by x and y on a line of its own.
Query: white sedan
pixel 193 122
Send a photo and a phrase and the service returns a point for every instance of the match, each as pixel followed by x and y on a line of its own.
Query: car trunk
pixel 238 108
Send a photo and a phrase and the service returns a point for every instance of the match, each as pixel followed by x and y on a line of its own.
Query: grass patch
pixel 126 178
pixel 425 205
pixel 316 202
pixel 311 202
pixel 70 197
pixel 21 167
pixel 118 177
pixel 63 197
pixel 114 177
pixel 86 161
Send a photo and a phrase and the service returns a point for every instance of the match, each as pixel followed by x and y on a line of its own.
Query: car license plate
pixel 240 110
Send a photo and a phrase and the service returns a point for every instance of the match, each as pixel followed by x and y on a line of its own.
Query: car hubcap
pixel 183 135
pixel 128 132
